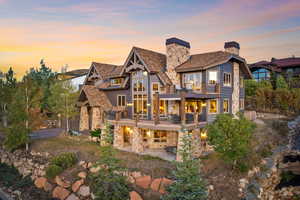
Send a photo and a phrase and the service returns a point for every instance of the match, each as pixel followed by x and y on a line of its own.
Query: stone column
pixel 103 135
pixel 84 119
pixel 236 89
pixel 197 148
pixel 96 118
pixel 137 141
pixel 118 137
pixel 179 145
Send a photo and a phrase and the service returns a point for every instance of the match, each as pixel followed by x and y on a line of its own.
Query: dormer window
pixel 116 81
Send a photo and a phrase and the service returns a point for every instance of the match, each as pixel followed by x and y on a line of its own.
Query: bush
pixel 64 160
pixel 53 170
pixel 188 184
pixel 231 138
pixel 16 137
pixel 95 133
pixel 109 183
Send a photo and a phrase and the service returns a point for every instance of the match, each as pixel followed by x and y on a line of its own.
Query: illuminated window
pixel 162 107
pixel 121 100
pixel 116 81
pixel 225 106
pixel 155 87
pixel 227 79
pixel 140 105
pixel 140 81
pixel 193 106
pixel 212 77
pixel 213 106
pixel 242 103
pixel 160 136
pixel 192 81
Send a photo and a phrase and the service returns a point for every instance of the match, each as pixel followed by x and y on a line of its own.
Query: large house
pixel 288 67
pixel 154 99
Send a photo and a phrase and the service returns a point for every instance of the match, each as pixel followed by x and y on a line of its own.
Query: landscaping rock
pixel 164 183
pixel 135 196
pixel 95 169
pixel 62 183
pixel 136 174
pixel 48 187
pixel 82 175
pixel 60 193
pixel 143 181
pixel 84 191
pixel 77 185
pixel 155 184
pixel 40 182
pixel 72 197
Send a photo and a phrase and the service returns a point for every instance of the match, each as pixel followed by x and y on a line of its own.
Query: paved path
pixel 46 133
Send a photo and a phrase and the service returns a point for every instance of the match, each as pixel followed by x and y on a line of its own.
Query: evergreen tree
pixel 188 184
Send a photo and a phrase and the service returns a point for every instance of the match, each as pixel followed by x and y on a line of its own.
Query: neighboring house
pixel 77 77
pixel 288 67
pixel 154 99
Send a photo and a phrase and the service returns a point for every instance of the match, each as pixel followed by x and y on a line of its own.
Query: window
pixel 116 81
pixel 193 106
pixel 225 106
pixel 242 104
pixel 261 74
pixel 241 82
pixel 212 77
pixel 227 79
pixel 155 87
pixel 146 134
pixel 192 81
pixel 140 81
pixel 121 100
pixel 160 136
pixel 140 105
pixel 213 106
pixel 162 107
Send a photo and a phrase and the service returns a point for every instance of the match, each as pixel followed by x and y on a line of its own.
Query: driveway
pixel 46 133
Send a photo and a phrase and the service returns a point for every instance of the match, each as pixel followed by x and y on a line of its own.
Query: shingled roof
pixel 107 70
pixel 156 62
pixel 96 97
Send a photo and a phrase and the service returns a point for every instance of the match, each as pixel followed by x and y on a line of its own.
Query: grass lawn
pixel 90 151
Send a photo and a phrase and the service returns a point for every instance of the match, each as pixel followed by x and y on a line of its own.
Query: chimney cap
pixel 178 41
pixel 232 44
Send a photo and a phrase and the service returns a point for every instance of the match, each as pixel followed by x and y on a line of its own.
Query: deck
pixel 163 124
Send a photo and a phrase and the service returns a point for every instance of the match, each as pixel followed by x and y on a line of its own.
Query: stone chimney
pixel 178 51
pixel 232 47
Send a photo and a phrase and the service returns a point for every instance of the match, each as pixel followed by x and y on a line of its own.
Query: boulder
pixel 63 183
pixel 155 184
pixel 77 185
pixel 40 182
pixel 136 174
pixel 135 196
pixel 72 197
pixel 82 175
pixel 60 193
pixel 95 169
pixel 48 187
pixel 164 183
pixel 143 181
pixel 84 191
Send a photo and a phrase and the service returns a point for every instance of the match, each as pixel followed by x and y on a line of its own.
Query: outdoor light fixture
pixel 203 104
pixel 148 104
pixel 203 135
pixel 148 133
pixel 145 73
pixel 129 104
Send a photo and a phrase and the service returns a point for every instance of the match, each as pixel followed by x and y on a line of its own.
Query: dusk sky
pixel 78 32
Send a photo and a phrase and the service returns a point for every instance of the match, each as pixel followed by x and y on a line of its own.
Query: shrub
pixel 16 137
pixel 231 138
pixel 109 183
pixel 188 184
pixel 64 160
pixel 108 137
pixel 281 83
pixel 95 133
pixel 53 170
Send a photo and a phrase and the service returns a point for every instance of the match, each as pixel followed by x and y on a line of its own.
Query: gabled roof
pixel 107 70
pixel 155 61
pixel 96 97
pixel 286 62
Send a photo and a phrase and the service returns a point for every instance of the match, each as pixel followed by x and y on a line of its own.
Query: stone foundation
pixel 137 141
pixel 118 137
pixel 96 118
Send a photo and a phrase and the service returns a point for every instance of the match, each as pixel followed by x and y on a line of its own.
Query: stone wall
pixel 137 141
pixel 118 137
pixel 84 119
pixel 176 55
pixel 96 118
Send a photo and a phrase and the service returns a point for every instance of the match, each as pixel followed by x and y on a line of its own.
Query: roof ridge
pixel 106 64
pixel 135 47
